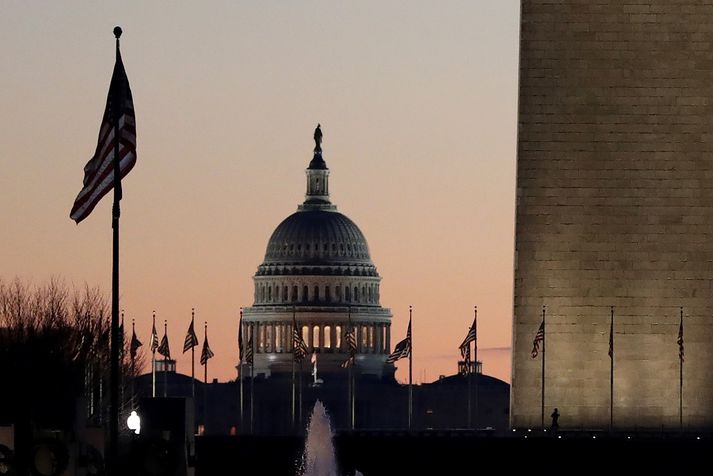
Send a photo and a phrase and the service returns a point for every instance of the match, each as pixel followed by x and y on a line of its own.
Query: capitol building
pixel 318 273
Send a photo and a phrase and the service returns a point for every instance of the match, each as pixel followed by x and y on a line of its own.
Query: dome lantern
pixel 317 196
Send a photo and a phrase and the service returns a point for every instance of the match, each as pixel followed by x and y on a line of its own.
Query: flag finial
pixel 117 32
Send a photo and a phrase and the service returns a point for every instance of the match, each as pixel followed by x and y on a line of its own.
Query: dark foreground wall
pixel 450 453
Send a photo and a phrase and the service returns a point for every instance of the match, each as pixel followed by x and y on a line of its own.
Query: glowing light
pixel 559 437
pixel 134 422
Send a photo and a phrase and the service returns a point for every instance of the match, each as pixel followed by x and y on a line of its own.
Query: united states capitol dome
pixel 318 281
pixel 317 237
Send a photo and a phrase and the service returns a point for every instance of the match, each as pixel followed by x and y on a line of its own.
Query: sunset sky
pixel 417 101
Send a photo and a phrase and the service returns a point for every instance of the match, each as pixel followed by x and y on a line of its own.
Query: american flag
pixel 471 337
pixel 206 353
pixel 611 337
pixel 539 337
pixel 350 339
pixel 249 351
pixel 191 339
pixel 99 171
pixel 349 362
pixel 154 335
pixel 680 339
pixel 299 348
pixel 135 342
pixel 163 349
pixel 402 349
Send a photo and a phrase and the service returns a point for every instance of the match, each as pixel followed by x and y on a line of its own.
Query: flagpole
pixel 300 398
pixel 122 379
pixel 116 213
pixel 193 358
pixel 350 401
pixel 294 396
pixel 611 372
pixel 252 386
pixel 132 354
pixel 352 381
pixel 153 359
pixel 165 362
pixel 205 377
pixel 410 370
pixel 467 368
pixel 475 368
pixel 242 357
pixel 542 395
pixel 680 383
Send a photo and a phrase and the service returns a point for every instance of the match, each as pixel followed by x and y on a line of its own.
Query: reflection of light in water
pixel 319 458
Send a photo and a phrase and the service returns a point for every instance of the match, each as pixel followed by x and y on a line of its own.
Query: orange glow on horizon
pixel 418 108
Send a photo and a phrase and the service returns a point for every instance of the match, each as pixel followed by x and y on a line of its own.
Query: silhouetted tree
pixel 54 348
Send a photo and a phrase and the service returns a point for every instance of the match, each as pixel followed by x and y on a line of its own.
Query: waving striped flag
pixel 402 349
pixel 299 348
pixel 135 342
pixel 350 339
pixel 191 339
pixel 680 339
pixel 471 337
pixel 206 353
pixel 99 171
pixel 539 337
pixel 163 349
pixel 611 338
pixel 154 335
pixel 249 350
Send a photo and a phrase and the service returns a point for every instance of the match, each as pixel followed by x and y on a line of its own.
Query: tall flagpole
pixel 205 377
pixel 611 371
pixel 165 362
pixel 242 357
pixel 542 395
pixel 352 380
pixel 350 398
pixel 153 359
pixel 680 383
pixel 410 370
pixel 252 385
pixel 467 369
pixel 193 358
pixel 299 410
pixel 116 213
pixel 294 396
pixel 475 366
pixel 133 360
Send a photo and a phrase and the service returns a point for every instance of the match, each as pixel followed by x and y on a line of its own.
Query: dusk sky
pixel 417 102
